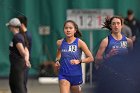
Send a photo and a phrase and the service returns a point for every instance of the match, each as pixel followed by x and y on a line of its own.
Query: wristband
pixel 80 60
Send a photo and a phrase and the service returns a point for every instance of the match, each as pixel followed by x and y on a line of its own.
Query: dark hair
pixel 129 12
pixel 108 21
pixel 23 20
pixel 78 33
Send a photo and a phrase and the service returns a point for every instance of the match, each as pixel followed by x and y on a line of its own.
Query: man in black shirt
pixel 134 24
pixel 28 39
